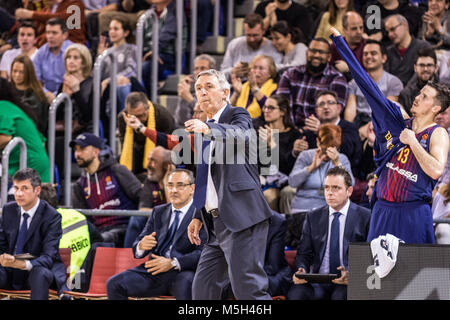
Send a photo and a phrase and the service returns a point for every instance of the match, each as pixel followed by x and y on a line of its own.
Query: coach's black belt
pixel 214 212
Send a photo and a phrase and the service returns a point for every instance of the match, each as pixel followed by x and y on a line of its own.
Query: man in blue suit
pixel 172 258
pixel 30 225
pixel 327 232
pixel 234 211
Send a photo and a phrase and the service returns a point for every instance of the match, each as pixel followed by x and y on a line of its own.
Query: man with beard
pixel 424 69
pixel 301 83
pixel 152 193
pixel 241 50
pixel 105 185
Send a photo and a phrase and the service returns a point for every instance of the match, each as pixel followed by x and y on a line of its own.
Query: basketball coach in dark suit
pixel 327 232
pixel 172 258
pixel 30 225
pixel 234 210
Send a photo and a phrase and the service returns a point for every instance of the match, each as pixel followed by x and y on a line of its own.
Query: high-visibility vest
pixel 75 235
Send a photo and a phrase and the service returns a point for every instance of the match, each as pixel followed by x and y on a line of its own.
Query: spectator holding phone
pixel 261 84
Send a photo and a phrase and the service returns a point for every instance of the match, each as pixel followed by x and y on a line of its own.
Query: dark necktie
pixel 334 244
pixel 21 237
pixel 170 234
pixel 201 179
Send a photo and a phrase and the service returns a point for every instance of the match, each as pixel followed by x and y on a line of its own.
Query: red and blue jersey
pixel 402 179
pixel 102 191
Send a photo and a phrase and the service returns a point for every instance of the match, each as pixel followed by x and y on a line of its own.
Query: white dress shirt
pixel 325 267
pixel 183 211
pixel 212 201
pixel 31 213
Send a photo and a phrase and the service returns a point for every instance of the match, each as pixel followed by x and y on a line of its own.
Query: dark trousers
pixel 236 258
pixel 317 291
pixel 38 279
pixel 137 282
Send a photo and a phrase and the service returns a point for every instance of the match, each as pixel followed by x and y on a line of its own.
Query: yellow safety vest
pixel 75 235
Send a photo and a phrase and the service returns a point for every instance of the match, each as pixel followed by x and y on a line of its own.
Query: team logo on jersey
pixel 389 140
pixel 109 183
pixel 407 174
pixel 86 192
pixel 423 140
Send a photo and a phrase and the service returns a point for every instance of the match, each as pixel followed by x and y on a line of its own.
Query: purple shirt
pixel 301 88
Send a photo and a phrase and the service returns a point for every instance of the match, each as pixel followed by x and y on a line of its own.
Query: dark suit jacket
pixel 275 264
pixel 241 201
pixel 313 242
pixel 186 253
pixel 42 240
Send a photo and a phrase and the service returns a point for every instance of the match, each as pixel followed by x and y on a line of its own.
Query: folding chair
pixel 107 262
pixel 52 294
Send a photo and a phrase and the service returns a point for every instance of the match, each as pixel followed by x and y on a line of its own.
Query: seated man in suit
pixel 326 235
pixel 173 259
pixel 30 225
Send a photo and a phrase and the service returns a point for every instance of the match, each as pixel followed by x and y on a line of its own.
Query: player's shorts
pixel 411 222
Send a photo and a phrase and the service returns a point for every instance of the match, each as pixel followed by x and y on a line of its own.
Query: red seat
pixel 107 262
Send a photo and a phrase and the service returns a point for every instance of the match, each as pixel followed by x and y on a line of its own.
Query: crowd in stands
pixel 283 70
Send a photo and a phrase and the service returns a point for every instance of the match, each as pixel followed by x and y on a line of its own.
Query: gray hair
pixel 220 76
pixel 189 173
pixel 207 57
pixel 400 19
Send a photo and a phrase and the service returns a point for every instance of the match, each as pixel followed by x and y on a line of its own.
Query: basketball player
pixel 411 155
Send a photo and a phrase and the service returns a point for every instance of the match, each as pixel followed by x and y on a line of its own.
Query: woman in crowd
pixel 288 41
pixel 311 166
pixel 29 89
pixel 333 17
pixel 260 85
pixel 276 116
pixel 120 34
pixel 78 84
pixel 15 122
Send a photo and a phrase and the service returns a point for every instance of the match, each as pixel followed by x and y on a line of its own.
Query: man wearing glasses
pixel 402 53
pixel 172 258
pixel 301 83
pixel 328 110
pixel 424 68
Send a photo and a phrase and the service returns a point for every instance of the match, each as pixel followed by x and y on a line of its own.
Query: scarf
pixel 126 158
pixel 254 108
